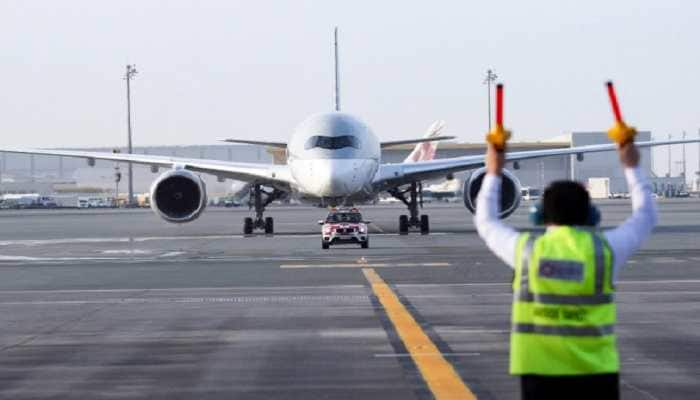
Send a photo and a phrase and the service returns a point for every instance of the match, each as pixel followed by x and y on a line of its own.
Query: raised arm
pixel 629 237
pixel 500 238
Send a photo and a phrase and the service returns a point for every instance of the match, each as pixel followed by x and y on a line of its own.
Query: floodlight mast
pixel 130 73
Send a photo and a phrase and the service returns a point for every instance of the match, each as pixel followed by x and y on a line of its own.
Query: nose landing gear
pixel 260 199
pixel 414 220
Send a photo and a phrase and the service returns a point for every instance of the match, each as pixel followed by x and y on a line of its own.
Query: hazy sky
pixel 215 69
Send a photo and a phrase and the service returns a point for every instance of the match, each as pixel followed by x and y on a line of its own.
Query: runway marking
pixel 177 289
pixel 377 227
pixel 53 259
pixel 406 355
pixel 283 299
pixel 439 374
pixel 172 254
pixel 665 260
pixel 364 265
pixel 127 251
pixel 623 282
pixel 45 242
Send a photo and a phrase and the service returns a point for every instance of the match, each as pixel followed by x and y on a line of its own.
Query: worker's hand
pixel 629 154
pixel 495 160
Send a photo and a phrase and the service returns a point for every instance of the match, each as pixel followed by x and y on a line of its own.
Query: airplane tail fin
pixel 426 151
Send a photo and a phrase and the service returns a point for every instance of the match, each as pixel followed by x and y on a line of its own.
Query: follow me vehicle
pixel 344 226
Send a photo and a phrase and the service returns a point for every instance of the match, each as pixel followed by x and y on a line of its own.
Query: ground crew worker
pixel 563 344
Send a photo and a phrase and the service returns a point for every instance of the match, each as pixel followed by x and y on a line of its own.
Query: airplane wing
pixel 279 145
pixel 392 175
pixel 414 141
pixel 247 172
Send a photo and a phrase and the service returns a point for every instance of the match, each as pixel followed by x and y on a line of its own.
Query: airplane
pixel 333 159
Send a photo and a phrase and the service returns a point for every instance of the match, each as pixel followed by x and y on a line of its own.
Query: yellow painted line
pixel 364 265
pixel 442 379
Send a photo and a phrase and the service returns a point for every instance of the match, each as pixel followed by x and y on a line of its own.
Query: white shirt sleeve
pixel 629 237
pixel 499 237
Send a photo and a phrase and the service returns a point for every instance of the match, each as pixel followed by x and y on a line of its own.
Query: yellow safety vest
pixel 563 306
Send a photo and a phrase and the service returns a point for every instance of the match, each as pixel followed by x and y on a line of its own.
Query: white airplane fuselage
pixel 333 158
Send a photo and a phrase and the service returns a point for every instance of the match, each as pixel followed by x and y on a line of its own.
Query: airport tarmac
pixel 118 304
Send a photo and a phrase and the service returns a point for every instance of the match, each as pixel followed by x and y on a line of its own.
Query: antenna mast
pixel 337 72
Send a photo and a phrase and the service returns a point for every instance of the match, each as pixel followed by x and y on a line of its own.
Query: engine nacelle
pixel 178 196
pixel 510 192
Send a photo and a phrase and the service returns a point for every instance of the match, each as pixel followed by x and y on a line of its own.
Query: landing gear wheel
pixel 248 226
pixel 324 245
pixel 403 225
pixel 424 225
pixel 269 226
pixel 365 244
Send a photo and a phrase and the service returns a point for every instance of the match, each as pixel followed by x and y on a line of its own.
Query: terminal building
pixel 21 173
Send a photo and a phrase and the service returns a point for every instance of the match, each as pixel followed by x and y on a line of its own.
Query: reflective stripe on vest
pixel 564 330
pixel 557 330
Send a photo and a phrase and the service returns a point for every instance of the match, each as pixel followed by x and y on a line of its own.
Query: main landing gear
pixel 260 199
pixel 415 198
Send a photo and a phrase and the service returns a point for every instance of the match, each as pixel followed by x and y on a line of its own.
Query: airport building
pixel 21 173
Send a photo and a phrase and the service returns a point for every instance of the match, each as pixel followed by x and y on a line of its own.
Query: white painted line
pixel 275 299
pixel 450 331
pixel 212 288
pixel 624 282
pixel 427 285
pixel 653 282
pixel 406 355
pixel 127 251
pixel 172 254
pixel 363 265
pixel 665 260
pixel 377 227
pixel 52 259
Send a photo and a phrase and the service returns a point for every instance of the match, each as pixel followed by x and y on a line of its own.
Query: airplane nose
pixel 340 178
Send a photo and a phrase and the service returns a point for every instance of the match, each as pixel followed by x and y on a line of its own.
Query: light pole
pixel 117 178
pixel 669 157
pixel 490 78
pixel 684 165
pixel 697 180
pixel 130 73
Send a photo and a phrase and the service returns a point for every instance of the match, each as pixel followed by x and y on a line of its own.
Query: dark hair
pixel 566 203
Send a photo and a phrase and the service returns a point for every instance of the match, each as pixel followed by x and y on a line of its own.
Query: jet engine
pixel 178 196
pixel 510 192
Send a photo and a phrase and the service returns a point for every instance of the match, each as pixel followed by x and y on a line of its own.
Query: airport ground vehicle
pixel 344 226
pixel 527 193
pixel 29 200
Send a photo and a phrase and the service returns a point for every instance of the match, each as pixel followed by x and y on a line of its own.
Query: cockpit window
pixel 332 142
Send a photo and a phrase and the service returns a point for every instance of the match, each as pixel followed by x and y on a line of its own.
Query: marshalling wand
pixel 620 133
pixel 499 135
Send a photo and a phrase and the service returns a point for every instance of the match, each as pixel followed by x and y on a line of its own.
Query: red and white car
pixel 344 226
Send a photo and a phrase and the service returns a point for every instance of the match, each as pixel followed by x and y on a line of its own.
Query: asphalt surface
pixel 118 304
